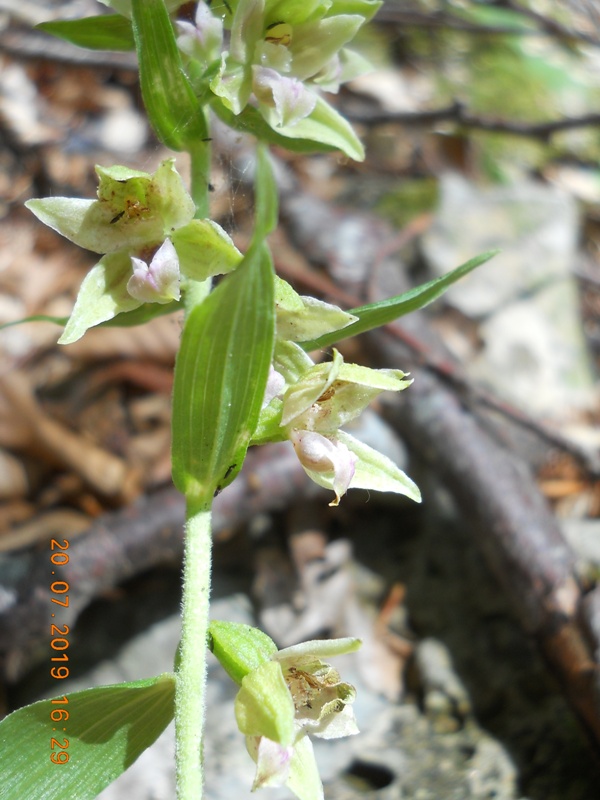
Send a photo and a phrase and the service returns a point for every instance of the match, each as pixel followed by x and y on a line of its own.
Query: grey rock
pixel 534 353
pixel 534 225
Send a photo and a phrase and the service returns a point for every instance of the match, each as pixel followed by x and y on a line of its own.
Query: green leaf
pixel 105 32
pixel 141 315
pixel 172 107
pixel 375 315
pixel 107 729
pixel 220 377
pixel 36 318
pixel 239 648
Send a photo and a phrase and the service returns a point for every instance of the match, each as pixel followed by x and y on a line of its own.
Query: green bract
pixel 300 318
pixel 144 225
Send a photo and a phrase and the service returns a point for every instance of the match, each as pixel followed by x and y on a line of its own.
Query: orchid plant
pixel 243 374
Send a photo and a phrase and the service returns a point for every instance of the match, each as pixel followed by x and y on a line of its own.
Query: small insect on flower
pixel 279 33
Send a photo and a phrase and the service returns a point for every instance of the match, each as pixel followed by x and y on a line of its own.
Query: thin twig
pixel 459 114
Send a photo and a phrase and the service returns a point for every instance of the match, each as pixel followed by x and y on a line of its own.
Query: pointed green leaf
pixel 106 730
pixel 239 648
pixel 173 109
pixel 105 32
pixel 126 319
pixel 220 377
pixel 141 315
pixel 375 315
pixel 35 318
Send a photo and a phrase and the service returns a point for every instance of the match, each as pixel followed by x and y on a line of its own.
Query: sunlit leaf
pixel 220 377
pixel 107 728
pixel 105 32
pixel 376 314
pixel 172 107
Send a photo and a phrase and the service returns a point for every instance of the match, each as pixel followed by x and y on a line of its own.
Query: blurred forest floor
pixel 482 128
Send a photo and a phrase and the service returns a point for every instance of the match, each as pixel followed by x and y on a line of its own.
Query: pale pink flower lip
pixel 321 454
pixel 158 281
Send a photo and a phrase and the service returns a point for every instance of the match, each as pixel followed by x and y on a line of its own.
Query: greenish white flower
pixel 286 696
pixel 318 400
pixel 282 53
pixel 144 225
pixel 203 39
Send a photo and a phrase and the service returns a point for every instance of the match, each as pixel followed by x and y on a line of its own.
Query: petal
pixel 337 725
pixel 375 471
pixel 317 649
pixel 289 98
pixel 66 216
pixel 203 40
pixel 311 386
pixel 273 761
pixel 304 780
pixel 295 11
pixel 314 45
pixel 275 56
pixel 328 127
pixel 102 295
pixel 174 205
pixel 327 462
pixel 134 210
pixel 355 387
pixel 233 84
pixel 246 29
pixel 275 385
pixel 291 360
pixel 204 250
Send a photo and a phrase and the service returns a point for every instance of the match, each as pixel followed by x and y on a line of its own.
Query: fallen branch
pixel 493 488
pixel 126 543
pixel 458 113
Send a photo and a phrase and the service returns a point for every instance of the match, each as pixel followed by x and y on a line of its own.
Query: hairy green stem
pixel 191 672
